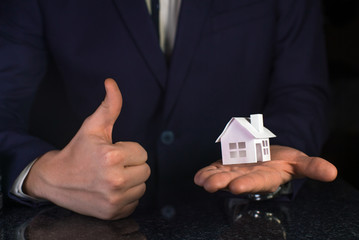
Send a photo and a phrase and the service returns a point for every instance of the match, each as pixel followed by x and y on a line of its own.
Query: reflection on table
pixel 320 211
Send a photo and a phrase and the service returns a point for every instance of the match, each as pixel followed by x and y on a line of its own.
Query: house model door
pixel 259 152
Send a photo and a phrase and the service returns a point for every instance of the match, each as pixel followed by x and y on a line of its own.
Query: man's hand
pixel 286 164
pixel 91 175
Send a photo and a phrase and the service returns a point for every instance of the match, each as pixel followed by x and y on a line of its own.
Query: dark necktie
pixel 155 6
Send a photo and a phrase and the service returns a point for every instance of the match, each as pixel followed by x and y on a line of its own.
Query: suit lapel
pixel 191 20
pixel 140 26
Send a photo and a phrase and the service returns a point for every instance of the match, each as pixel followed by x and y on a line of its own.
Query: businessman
pixel 170 88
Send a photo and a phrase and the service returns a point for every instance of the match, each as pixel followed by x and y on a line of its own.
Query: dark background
pixel 341 24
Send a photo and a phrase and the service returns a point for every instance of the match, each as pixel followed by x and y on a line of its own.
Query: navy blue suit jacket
pixel 231 58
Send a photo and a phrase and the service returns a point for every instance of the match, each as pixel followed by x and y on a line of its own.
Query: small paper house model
pixel 245 141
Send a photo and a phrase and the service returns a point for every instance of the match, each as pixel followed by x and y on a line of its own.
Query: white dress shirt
pixel 168 18
pixel 17 186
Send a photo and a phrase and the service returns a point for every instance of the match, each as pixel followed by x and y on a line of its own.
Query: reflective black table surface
pixel 320 211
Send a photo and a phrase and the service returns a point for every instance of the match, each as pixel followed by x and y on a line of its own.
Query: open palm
pixel 286 164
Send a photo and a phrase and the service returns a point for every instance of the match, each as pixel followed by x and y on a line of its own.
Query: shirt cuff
pixel 16 189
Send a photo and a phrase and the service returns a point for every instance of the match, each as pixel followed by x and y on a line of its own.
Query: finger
pixel 126 211
pixel 123 203
pixel 200 176
pixel 255 182
pixel 132 153
pixel 246 179
pixel 203 174
pixel 315 168
pixel 135 175
pixel 214 179
pixel 222 179
pixel 217 181
pixel 102 120
pixel 133 194
pixel 234 171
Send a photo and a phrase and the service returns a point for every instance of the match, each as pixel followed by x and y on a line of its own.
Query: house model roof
pixel 246 124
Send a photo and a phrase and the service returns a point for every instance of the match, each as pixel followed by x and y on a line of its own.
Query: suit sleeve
pixel 23 60
pixel 298 98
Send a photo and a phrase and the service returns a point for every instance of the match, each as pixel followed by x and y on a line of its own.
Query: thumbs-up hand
pixel 92 175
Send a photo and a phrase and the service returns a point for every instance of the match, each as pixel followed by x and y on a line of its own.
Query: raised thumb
pixel 102 120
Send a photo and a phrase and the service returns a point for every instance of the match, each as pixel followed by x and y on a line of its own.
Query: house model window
pixel 245 141
pixel 237 150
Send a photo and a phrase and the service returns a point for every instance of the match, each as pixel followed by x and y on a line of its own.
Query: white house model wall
pixel 245 141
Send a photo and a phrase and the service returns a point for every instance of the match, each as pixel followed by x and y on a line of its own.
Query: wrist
pixel 36 183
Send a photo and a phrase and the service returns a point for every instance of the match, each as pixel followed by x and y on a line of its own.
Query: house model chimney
pixel 257 122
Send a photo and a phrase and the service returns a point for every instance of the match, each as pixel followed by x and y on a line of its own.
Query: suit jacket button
pixel 167 137
pixel 168 212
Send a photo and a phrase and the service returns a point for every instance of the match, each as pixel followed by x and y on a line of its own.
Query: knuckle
pixel 113 201
pixel 111 157
pixel 116 183
pixel 108 158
